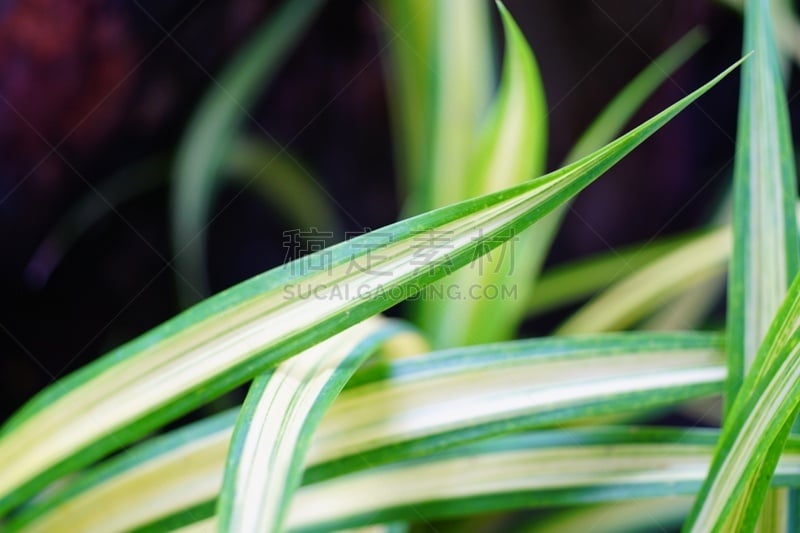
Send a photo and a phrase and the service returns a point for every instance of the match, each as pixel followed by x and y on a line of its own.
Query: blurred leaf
pixel 632 298
pixel 787 29
pixel 461 88
pixel 632 516
pixel 211 130
pixel 691 308
pixel 511 149
pixel 131 182
pixel 275 175
pixel 286 186
pixel 408 31
pixel 571 282
pixel 619 111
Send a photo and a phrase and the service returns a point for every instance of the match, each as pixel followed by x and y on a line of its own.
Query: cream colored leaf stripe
pixel 283 408
pixel 511 148
pixel 765 245
pixel 410 408
pixel 547 468
pixel 247 329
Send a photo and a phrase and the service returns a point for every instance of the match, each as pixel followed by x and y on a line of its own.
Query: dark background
pixel 103 84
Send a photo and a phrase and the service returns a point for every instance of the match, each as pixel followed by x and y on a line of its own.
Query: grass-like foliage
pixel 355 420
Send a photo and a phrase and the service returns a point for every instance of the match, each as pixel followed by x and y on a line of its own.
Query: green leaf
pixel 461 87
pixel 247 329
pixel 138 479
pixel 569 283
pixel 453 396
pixel 511 149
pixel 513 143
pixel 440 73
pixel 608 124
pixel 411 408
pixel 277 421
pixel 634 297
pixel 755 429
pixel 211 131
pixel 407 30
pixel 541 469
pixel 787 28
pixel 765 246
pixel 562 467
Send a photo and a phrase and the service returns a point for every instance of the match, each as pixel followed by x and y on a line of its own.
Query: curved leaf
pixel 543 469
pixel 568 283
pixel 755 430
pixel 634 297
pixel 511 149
pixel 249 328
pixel 278 418
pixel 409 408
pixel 211 131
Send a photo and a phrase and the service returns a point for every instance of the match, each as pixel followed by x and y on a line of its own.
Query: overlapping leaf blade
pixel 545 468
pixel 246 330
pixel 278 418
pixel 755 430
pixel 766 246
pixel 606 125
pixel 764 261
pixel 632 298
pixel 411 408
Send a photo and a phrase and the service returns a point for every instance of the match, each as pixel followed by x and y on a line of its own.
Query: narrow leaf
pixel 247 329
pixel 755 429
pixel 461 86
pixel 634 297
pixel 568 283
pixel 411 408
pixel 277 421
pixel 526 471
pixel 511 149
pixel 765 247
pixel 213 127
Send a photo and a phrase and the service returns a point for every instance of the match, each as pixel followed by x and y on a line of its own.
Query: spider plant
pixel 356 420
